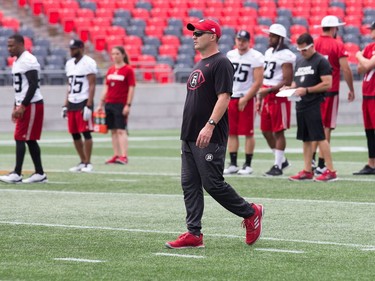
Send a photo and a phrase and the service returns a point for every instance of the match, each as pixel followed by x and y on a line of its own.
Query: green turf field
pixel 112 224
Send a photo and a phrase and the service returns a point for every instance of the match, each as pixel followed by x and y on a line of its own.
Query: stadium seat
pixel 353 20
pixel 173 30
pixel 284 12
pixel 336 11
pixel 186 49
pixel 163 73
pixel 300 21
pixel 67 17
pixel 151 41
pixel 187 40
pixel 185 59
pixel 213 13
pixel 227 30
pixel 26 31
pixel 159 13
pixel 69 4
pixel 104 13
pixel 251 4
pixel 115 31
pixel 261 39
pixel 121 22
pixel 85 13
pixel 57 51
pixel 353 38
pixel 143 5
pixel 10 22
pixel 40 51
pixel 160 4
pixel 135 30
pixel 150 50
pixel 81 27
pixel 156 21
pixel 300 11
pixel 88 5
pixel 42 42
pixel 124 4
pixel 297 29
pixel 170 40
pixel 264 21
pixel 175 22
pixel 165 59
pixel 133 40
pixel 121 13
pixel 109 4
pixel 140 13
pixel 170 50
pixel 196 13
pixel 157 31
pixel 146 65
pixel 113 41
pixel 249 12
pixel 57 61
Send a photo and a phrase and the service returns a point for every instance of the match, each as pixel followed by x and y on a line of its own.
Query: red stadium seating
pixel 11 22
pixel 163 73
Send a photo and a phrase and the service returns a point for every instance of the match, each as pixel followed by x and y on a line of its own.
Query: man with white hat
pixel 275 111
pixel 334 50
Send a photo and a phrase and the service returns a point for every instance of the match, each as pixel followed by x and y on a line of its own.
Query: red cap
pixel 205 25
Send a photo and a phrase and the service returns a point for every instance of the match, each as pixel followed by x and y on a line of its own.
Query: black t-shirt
pixel 210 77
pixel 307 74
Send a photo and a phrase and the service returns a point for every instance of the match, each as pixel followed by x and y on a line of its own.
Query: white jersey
pixel 77 76
pixel 273 73
pixel 243 70
pixel 23 64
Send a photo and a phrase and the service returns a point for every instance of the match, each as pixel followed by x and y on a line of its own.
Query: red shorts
pixel 77 125
pixel 241 123
pixel 275 114
pixel 29 127
pixel 329 109
pixel 368 111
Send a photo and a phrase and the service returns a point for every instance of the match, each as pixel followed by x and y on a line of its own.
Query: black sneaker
pixel 274 172
pixel 367 170
pixel 285 164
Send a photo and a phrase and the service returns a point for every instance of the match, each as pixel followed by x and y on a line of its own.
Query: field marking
pixel 174 232
pixel 179 256
pixel 180 196
pixel 368 249
pixel 78 260
pixel 123 180
pixel 279 251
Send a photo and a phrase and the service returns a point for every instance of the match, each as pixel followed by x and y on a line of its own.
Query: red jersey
pixel 118 82
pixel 333 50
pixel 368 85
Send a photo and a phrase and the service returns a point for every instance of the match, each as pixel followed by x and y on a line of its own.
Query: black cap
pixel 243 34
pixel 76 43
pixel 372 25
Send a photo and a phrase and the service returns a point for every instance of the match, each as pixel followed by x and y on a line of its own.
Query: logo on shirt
pixel 209 157
pixel 196 79
pixel 307 70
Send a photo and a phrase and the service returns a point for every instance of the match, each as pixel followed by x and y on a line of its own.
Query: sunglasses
pixel 305 48
pixel 200 33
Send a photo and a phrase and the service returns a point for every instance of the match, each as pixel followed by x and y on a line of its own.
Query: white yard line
pixel 173 232
pixel 279 250
pixel 78 260
pixel 179 256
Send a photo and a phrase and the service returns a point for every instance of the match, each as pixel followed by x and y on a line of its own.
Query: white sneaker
pixel 11 178
pixel 88 168
pixel 246 170
pixel 36 178
pixel 231 170
pixel 77 168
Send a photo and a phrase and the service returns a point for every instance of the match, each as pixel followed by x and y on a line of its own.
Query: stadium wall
pixel 155 106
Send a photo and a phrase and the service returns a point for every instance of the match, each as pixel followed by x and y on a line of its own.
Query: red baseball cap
pixel 205 25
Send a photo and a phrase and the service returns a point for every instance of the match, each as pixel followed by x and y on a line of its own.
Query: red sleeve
pixel 131 77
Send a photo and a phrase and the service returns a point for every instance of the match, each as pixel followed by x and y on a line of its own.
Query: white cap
pixel 277 29
pixel 331 21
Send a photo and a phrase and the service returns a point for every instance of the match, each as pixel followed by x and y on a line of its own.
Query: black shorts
pixel 114 118
pixel 310 125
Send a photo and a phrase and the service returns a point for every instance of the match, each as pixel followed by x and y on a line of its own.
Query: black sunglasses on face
pixel 200 33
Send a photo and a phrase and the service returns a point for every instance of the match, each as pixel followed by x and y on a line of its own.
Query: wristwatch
pixel 211 122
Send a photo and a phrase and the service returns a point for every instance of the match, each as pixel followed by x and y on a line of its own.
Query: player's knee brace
pixel 76 136
pixel 87 135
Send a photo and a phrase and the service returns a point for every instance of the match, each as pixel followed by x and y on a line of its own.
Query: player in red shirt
pixel 366 66
pixel 118 95
pixel 333 50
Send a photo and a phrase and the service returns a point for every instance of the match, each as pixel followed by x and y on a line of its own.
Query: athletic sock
pixel 233 158
pixel 34 150
pixel 321 163
pixel 20 156
pixel 279 157
pixel 249 157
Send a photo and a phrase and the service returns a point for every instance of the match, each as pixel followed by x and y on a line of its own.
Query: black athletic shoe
pixel 285 164
pixel 367 170
pixel 274 172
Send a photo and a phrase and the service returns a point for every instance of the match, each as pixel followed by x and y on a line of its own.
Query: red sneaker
pixel 186 240
pixel 253 224
pixel 302 176
pixel 327 176
pixel 111 160
pixel 122 160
